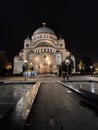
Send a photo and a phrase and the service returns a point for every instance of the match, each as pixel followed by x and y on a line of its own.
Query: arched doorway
pixel 44 62
pixel 45 68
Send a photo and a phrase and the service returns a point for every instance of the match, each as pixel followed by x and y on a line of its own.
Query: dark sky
pixel 75 20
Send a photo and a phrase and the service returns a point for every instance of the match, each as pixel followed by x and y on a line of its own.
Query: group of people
pixel 28 71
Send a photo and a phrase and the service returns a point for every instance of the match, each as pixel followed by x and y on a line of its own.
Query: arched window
pixel 27 45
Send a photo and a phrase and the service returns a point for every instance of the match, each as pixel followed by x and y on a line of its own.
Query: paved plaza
pixel 57 106
pixel 45 78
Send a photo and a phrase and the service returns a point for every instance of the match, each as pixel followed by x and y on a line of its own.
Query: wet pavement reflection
pixel 87 89
pixel 15 104
pixel 89 86
pixel 10 95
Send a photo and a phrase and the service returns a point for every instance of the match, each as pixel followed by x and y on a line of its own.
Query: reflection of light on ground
pixel 69 91
pixel 24 105
pixel 93 88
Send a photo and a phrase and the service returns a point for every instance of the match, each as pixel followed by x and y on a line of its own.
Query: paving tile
pixel 61 110
pixel 58 109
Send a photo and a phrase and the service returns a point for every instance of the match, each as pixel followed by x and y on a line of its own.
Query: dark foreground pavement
pixel 15 104
pixel 58 108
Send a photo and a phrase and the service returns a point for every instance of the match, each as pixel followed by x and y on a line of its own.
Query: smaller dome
pixel 60 39
pixel 27 39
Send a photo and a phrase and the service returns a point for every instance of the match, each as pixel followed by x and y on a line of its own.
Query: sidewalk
pixel 88 89
pixel 43 78
pixel 57 108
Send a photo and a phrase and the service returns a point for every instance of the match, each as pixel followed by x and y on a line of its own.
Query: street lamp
pixel 67 62
pixel 91 68
pixel 25 68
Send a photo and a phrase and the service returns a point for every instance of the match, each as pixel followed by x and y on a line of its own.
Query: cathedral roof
pixel 44 29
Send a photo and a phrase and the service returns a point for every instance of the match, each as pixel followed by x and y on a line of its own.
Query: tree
pixel 84 65
pixel 3 63
pixel 87 62
pixel 81 67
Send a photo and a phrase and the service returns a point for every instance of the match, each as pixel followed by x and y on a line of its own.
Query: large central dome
pixel 44 29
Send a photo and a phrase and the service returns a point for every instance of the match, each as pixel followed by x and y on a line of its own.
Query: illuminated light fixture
pixel 47 58
pixel 25 61
pixel 41 65
pixel 31 64
pixel 67 62
pixel 49 62
pixel 8 67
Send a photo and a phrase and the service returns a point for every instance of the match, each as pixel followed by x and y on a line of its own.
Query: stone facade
pixel 44 51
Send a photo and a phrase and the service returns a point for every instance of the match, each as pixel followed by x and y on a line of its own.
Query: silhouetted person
pixel 67 76
pixel 64 75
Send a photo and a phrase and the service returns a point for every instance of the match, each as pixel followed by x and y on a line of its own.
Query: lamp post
pixel 67 62
pixel 25 68
pixel 91 68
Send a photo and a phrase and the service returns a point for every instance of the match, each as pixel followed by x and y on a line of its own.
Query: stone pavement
pixel 58 108
pixel 15 104
pixel 45 78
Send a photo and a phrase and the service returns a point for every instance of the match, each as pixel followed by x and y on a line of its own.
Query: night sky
pixel 75 20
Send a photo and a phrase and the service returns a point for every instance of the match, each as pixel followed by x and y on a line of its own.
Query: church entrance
pixel 45 68
pixel 44 63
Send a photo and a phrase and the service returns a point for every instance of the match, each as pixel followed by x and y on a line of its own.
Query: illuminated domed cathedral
pixel 44 52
